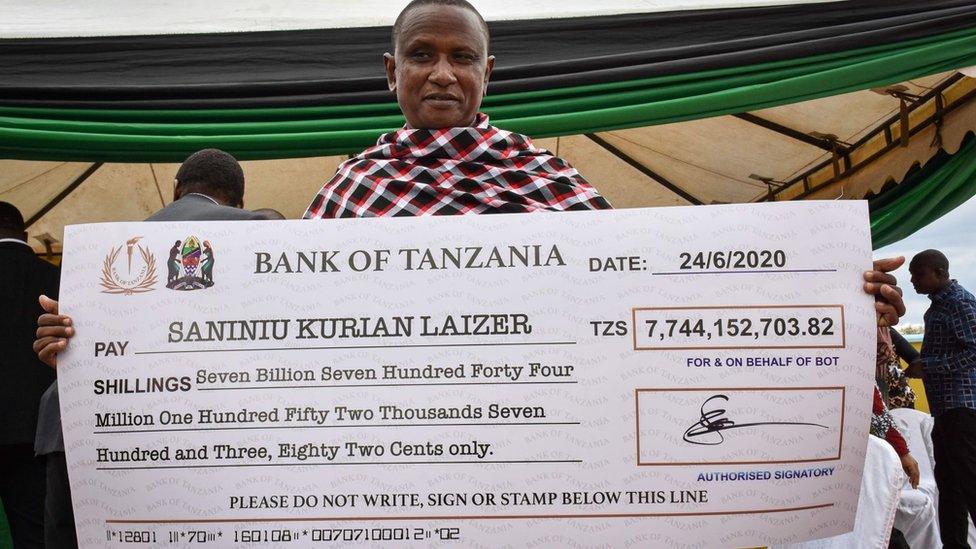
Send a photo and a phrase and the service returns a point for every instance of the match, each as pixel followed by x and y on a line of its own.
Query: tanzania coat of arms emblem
pixel 190 265
pixel 129 282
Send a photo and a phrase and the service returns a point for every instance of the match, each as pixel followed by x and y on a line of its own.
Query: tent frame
pixel 934 97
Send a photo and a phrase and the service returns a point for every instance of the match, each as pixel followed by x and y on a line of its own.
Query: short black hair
pixel 215 173
pixel 414 4
pixel 11 220
pixel 269 214
pixel 933 259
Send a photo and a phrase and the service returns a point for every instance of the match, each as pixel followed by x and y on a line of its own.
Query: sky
pixel 954 234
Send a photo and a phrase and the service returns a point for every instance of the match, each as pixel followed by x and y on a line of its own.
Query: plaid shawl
pixel 452 171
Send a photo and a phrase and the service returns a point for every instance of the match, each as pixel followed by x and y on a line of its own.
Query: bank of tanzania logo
pixel 190 265
pixel 133 274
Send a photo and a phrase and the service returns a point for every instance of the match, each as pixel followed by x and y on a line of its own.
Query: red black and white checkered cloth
pixel 453 171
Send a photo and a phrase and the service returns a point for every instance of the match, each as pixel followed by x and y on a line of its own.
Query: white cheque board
pixel 670 377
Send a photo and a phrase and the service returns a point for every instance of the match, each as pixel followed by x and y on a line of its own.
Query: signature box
pixel 739 426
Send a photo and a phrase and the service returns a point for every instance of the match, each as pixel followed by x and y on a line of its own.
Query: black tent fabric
pixel 315 93
pixel 344 66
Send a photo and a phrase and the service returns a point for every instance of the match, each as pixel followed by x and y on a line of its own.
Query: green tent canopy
pixel 748 101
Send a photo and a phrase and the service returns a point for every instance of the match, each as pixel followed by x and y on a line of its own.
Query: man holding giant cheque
pixel 494 379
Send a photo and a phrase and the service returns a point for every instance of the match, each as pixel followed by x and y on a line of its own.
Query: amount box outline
pixel 843 327
pixel 840 441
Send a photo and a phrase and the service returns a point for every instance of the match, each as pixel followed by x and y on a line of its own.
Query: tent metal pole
pixel 64 193
pixel 884 129
pixel 634 163
pixel 965 99
pixel 785 130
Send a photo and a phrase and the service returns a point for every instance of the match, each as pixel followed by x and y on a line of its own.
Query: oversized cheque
pixel 658 377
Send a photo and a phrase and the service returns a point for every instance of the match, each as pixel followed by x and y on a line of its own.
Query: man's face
pixel 925 279
pixel 441 67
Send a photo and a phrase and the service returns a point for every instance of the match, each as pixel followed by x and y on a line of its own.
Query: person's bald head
pixel 930 271
pixel 933 259
pixel 440 66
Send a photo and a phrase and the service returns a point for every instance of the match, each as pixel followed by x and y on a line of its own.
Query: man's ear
pixel 390 63
pixel 178 191
pixel 489 65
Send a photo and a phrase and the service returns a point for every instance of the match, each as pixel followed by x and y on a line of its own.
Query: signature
pixel 713 422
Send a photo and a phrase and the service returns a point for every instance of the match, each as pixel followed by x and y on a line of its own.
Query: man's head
pixel 440 66
pixel 214 173
pixel 930 271
pixel 12 222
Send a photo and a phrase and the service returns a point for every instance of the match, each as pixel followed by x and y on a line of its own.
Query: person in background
pixel 882 425
pixel 947 366
pixel 888 377
pixel 209 186
pixel 891 379
pixel 22 474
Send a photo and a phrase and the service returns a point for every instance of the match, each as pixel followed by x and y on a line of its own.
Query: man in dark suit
pixel 22 277
pixel 209 187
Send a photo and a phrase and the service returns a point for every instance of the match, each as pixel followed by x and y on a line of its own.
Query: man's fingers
pixel 48 319
pixel 889 264
pixel 59 332
pixel 876 288
pixel 887 314
pixel 42 343
pixel 893 296
pixel 889 303
pixel 53 331
pixel 48 349
pixel 880 277
pixel 884 288
pixel 48 304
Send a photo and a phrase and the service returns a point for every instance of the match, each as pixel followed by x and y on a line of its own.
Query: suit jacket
pixel 196 207
pixel 191 207
pixel 23 276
